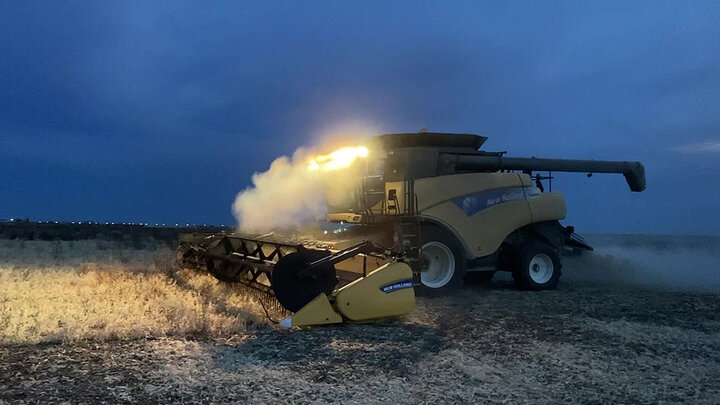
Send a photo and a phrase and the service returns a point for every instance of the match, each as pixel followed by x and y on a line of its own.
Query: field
pixel 638 320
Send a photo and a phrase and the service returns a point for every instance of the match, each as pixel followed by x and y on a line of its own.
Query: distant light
pixel 12 219
pixel 324 232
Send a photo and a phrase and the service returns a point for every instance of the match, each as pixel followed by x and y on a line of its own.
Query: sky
pixel 160 112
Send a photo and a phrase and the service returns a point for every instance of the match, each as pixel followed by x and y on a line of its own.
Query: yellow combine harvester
pixel 431 210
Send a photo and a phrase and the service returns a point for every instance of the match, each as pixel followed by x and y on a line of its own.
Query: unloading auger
pixel 450 212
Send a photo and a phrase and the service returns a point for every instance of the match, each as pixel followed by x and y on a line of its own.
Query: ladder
pixel 409 225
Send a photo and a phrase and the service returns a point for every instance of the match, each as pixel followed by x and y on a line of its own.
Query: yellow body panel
pixel 436 190
pixel 364 298
pixel 547 207
pixel 483 232
pixel 355 264
pixel 316 312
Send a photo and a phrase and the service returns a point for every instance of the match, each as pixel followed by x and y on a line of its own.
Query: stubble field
pixel 92 321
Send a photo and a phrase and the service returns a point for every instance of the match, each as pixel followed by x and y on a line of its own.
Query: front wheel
pixel 443 262
pixel 538 267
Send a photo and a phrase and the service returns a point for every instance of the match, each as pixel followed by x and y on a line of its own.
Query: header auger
pixel 449 213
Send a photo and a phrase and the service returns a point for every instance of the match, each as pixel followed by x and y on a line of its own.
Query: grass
pixel 67 291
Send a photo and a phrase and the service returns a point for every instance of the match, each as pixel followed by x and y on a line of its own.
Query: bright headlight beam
pixel 340 158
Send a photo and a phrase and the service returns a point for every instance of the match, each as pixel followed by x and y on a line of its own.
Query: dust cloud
pixel 293 193
pixel 672 263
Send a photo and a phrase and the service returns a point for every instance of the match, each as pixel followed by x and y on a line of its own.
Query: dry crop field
pixel 95 321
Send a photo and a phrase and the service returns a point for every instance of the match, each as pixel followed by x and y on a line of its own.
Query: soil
pixel 581 343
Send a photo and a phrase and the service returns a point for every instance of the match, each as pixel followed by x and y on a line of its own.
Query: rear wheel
pixel 538 266
pixel 443 263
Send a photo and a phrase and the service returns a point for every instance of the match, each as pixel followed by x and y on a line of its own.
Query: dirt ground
pixel 587 342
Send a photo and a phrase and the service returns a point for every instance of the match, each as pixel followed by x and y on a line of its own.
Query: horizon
pixel 178 225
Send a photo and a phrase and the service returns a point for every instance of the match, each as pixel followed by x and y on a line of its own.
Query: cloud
pixel 177 112
pixel 711 146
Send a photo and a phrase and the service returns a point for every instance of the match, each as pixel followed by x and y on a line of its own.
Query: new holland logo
pixel 477 202
pixel 398 285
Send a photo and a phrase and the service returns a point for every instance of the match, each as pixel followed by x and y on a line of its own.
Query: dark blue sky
pixel 124 111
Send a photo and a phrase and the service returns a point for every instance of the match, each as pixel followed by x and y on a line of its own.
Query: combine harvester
pixel 448 212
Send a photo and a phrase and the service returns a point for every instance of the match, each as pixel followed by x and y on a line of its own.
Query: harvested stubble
pixel 46 298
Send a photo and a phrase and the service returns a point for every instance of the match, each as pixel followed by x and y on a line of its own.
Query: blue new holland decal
pixel 398 285
pixel 477 202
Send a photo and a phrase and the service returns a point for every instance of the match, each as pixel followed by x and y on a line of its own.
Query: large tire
pixel 538 266
pixel 444 262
